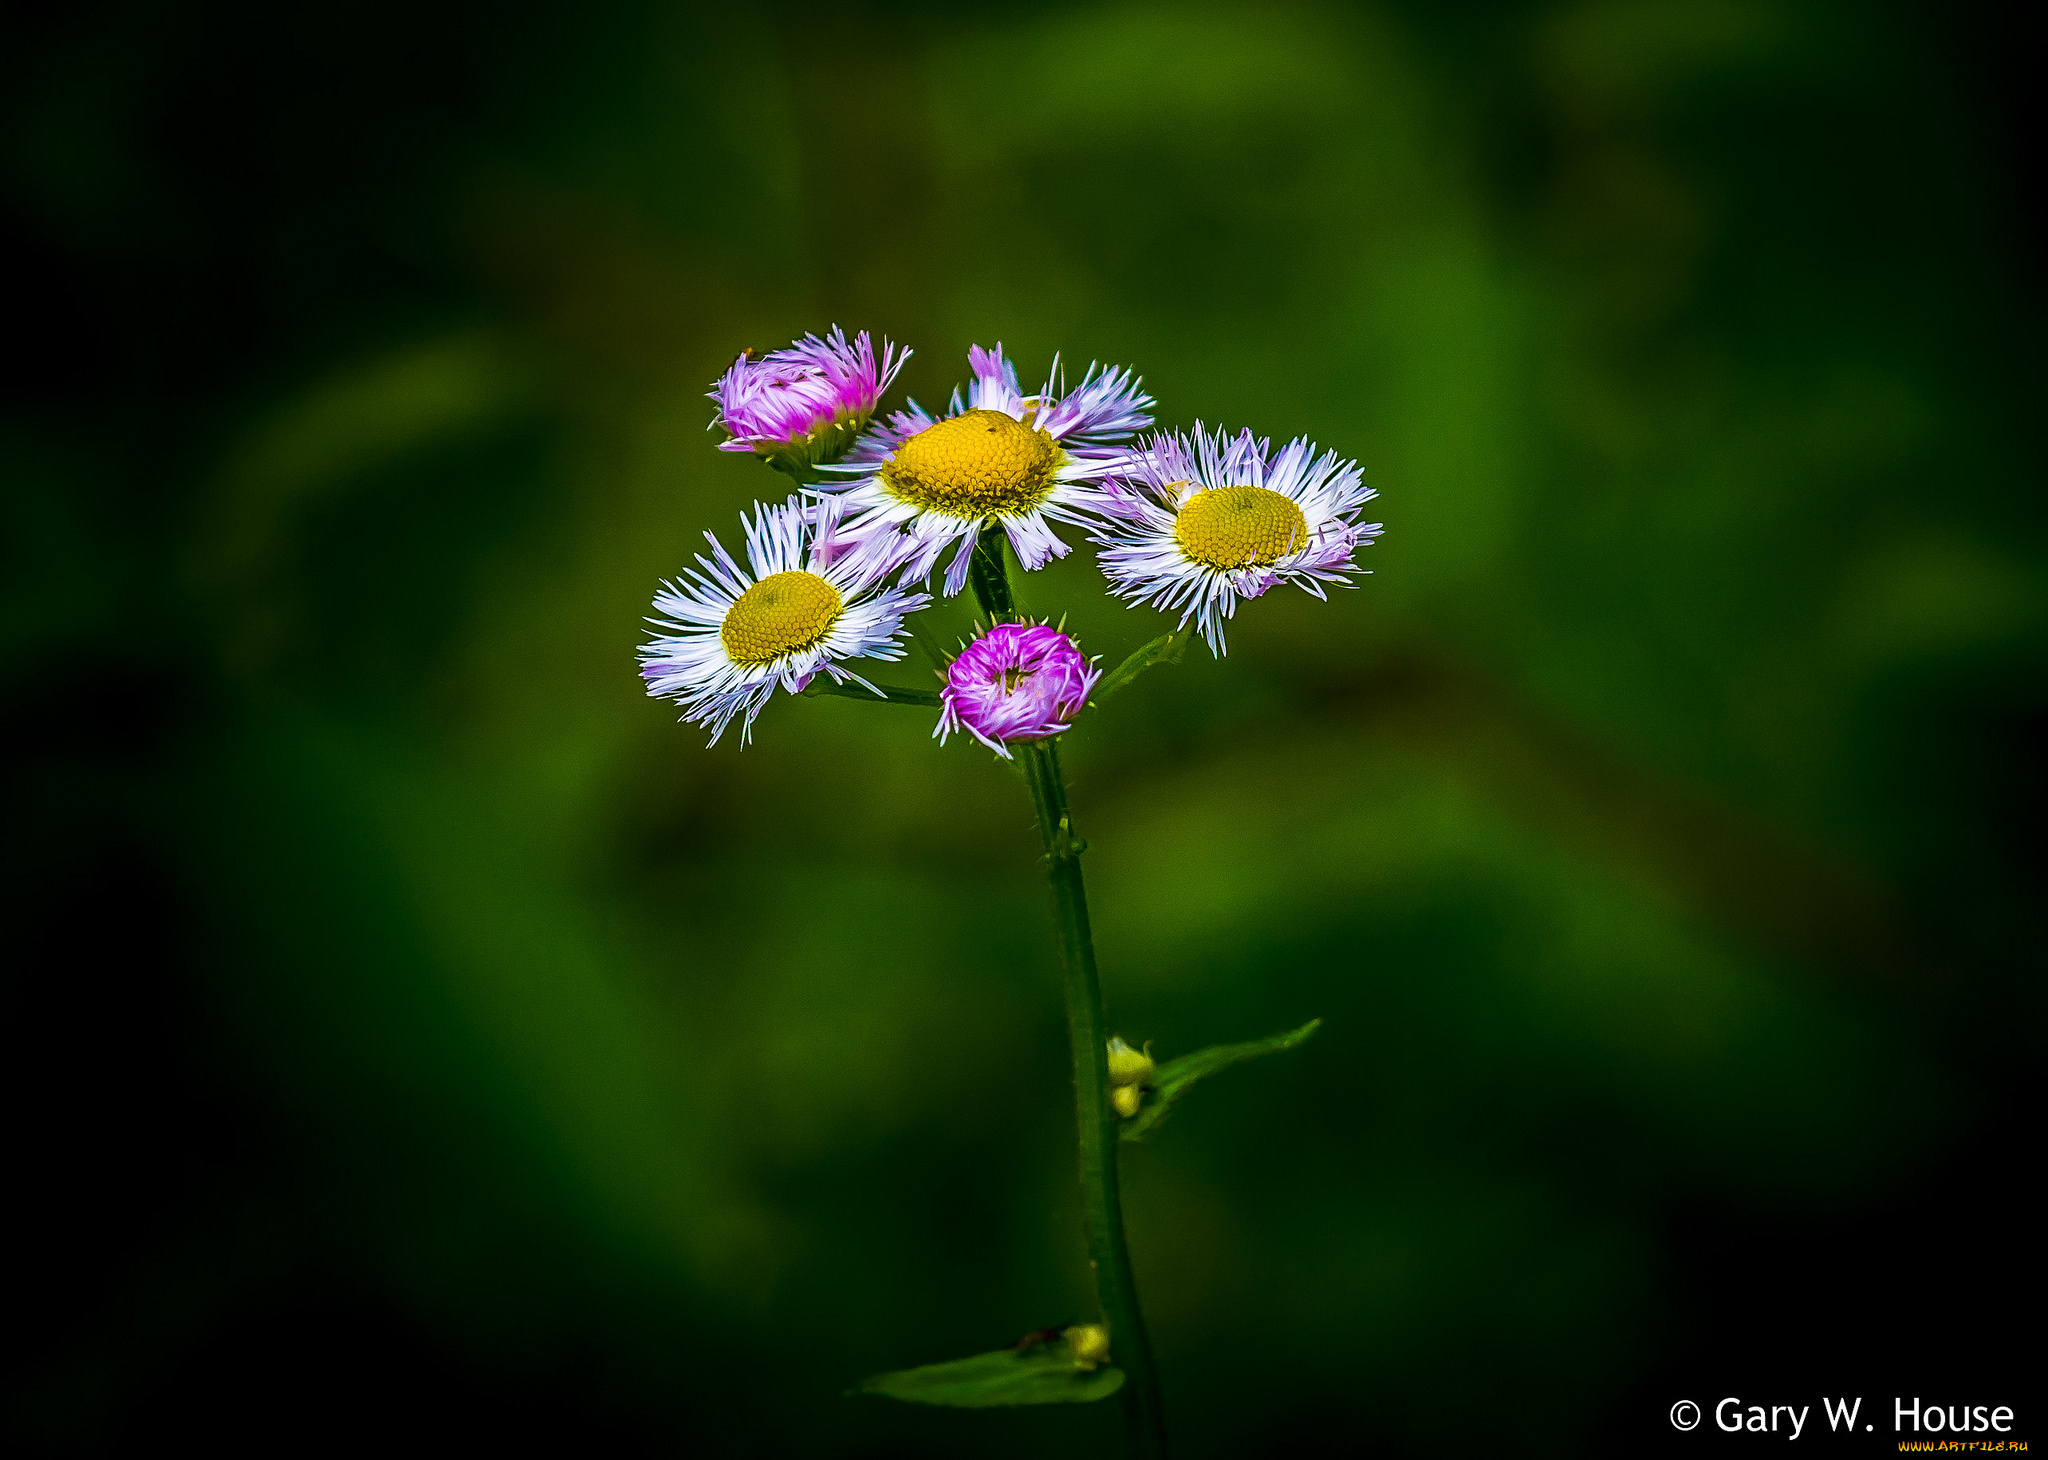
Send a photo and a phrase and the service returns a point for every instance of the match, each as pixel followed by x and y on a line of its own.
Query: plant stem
pixel 803 476
pixel 1102 1198
pixel 1130 1348
pixel 881 694
pixel 990 573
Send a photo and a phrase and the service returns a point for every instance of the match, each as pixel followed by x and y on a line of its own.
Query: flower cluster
pixel 1191 523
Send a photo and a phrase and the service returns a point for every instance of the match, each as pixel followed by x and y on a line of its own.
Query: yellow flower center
pixel 779 615
pixel 976 464
pixel 1237 527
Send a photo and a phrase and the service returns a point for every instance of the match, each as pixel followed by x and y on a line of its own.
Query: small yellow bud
pixel 1089 1343
pixel 1125 1099
pixel 1129 1066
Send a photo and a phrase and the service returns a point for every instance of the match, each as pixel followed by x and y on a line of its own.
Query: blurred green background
pixel 415 1031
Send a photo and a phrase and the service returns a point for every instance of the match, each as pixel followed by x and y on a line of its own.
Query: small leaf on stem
pixel 1166 649
pixel 1176 1077
pixel 1047 1374
pixel 881 694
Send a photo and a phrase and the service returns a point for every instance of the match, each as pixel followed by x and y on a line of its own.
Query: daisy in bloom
pixel 1195 523
pixel 1004 457
pixel 738 633
pixel 801 405
pixel 1015 682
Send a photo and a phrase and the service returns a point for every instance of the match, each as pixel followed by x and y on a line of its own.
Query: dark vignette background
pixel 413 1034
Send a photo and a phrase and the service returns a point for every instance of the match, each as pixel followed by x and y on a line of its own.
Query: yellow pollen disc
pixel 976 464
pixel 779 615
pixel 1239 527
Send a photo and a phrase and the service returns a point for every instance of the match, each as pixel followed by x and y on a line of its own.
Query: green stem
pixel 990 573
pixel 881 694
pixel 803 476
pixel 1109 1254
pixel 1102 1198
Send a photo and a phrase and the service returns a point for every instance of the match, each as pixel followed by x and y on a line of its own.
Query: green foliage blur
pixel 415 1020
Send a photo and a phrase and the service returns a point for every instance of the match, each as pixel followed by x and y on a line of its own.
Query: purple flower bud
pixel 804 404
pixel 1015 682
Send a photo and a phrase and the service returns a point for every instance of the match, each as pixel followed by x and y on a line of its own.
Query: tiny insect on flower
pixel 1036 1337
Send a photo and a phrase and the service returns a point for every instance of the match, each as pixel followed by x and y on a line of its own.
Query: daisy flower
pixel 1015 682
pixel 803 404
pixel 738 633
pixel 1021 461
pixel 1196 523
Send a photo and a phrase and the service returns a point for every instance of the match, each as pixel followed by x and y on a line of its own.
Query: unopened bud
pixel 1125 1100
pixel 1089 1343
pixel 804 404
pixel 1129 1066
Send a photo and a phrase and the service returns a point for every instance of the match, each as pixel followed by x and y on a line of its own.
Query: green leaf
pixel 882 694
pixel 1166 649
pixel 1040 1375
pixel 1175 1078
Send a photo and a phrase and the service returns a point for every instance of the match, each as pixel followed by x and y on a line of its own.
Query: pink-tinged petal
pixel 1015 682
pixel 995 385
pixel 806 401
pixel 1104 407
